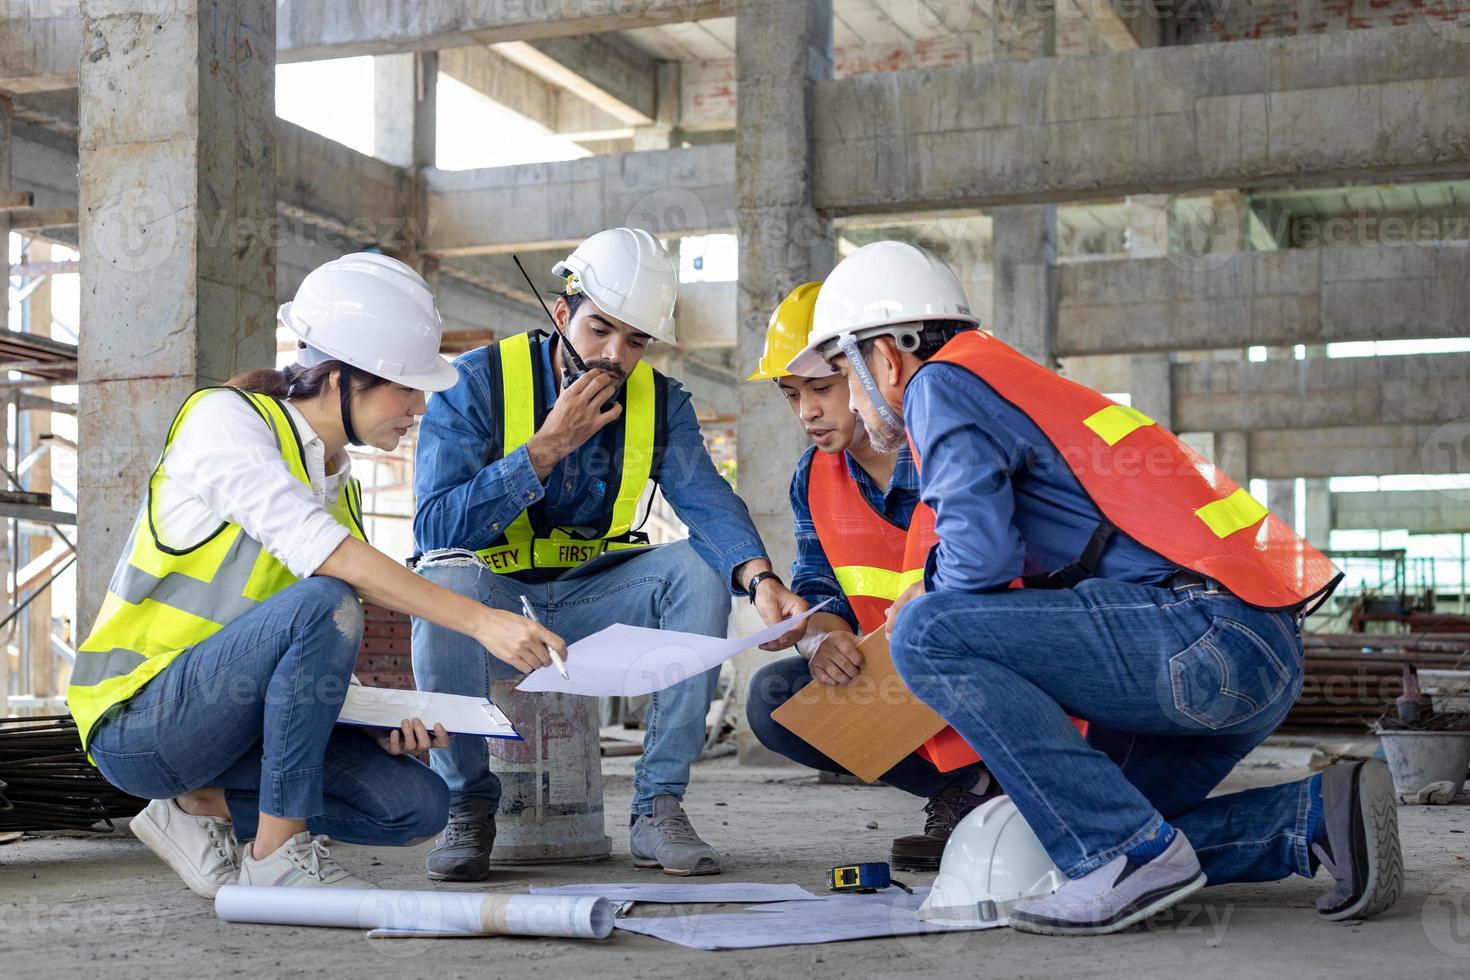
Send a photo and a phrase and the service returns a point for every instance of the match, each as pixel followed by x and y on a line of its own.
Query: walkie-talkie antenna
pixel 577 361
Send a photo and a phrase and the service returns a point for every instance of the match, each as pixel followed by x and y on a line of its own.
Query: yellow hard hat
pixel 787 332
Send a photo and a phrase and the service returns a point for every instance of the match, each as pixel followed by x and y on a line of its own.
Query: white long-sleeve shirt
pixel 223 465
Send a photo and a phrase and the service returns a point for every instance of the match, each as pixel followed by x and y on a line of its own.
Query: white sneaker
pixel 301 862
pixel 202 850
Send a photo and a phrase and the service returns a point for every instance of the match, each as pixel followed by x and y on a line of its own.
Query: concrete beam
pixel 609 72
pixel 40 54
pixel 688 191
pixel 528 94
pixel 307 30
pixel 360 198
pixel 1320 392
pixel 1416 511
pixel 1284 454
pixel 1387 104
pixel 1291 296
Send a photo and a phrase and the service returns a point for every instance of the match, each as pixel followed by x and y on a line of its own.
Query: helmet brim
pixel 810 364
pixel 441 377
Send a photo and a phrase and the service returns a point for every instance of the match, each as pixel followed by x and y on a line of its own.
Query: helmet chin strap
pixel 344 394
pixel 849 346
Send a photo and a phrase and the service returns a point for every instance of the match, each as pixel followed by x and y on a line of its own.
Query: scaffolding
pixel 38 374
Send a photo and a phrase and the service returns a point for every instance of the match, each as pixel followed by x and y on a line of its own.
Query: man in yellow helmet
pixel 851 505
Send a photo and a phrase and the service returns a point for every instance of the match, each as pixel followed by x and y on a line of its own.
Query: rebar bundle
pixel 46 782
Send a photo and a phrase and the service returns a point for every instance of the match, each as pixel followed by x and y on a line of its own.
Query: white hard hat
pixel 992 861
pixel 629 275
pixel 376 314
pixel 880 286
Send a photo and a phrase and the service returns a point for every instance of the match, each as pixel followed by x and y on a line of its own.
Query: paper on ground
pixel 825 921
pixel 674 894
pixel 421 913
pixel 382 707
pixel 888 897
pixel 625 661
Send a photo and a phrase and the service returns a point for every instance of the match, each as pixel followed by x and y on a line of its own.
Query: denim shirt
pixel 812 577
pixel 1005 502
pixel 468 493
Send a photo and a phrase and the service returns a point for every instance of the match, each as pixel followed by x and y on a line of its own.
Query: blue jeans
pixel 1178 686
pixel 775 683
pixel 669 588
pixel 253 710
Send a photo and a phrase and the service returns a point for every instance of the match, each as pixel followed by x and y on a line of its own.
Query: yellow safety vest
pixel 529 541
pixel 162 601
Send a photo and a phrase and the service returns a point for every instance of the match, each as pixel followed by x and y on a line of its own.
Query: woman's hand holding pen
pixel 518 641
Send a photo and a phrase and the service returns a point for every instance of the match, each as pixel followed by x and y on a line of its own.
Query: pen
pixel 530 614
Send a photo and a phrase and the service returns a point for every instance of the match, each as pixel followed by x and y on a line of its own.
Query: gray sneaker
pixel 463 852
pixel 666 839
pixel 1360 846
pixel 1115 896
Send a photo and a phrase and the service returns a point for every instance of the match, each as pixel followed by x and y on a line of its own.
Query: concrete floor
pixel 69 905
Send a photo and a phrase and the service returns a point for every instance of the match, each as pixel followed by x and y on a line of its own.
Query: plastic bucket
pixel 1416 759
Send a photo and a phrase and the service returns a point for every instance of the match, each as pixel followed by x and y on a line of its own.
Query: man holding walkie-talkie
pixel 529 478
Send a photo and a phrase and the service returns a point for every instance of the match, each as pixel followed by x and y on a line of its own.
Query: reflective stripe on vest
pixel 1151 485
pixel 520 548
pixel 864 549
pixel 162 601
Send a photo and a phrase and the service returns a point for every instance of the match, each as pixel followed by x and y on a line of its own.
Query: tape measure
pixel 867 877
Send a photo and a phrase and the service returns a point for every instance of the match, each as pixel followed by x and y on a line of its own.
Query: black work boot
pixel 463 852
pixel 945 809
pixel 1358 842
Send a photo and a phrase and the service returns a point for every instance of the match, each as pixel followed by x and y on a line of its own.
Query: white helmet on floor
pixel 374 313
pixel 992 861
pixel 629 275
pixel 877 290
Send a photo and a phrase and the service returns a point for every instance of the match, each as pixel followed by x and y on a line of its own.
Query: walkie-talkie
pixel 579 366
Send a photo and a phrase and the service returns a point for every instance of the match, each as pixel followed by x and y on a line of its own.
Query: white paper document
pixel 679 894
pixel 630 660
pixel 884 915
pixel 382 707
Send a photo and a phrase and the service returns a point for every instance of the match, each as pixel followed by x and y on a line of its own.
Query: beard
pixel 569 368
pixel 886 440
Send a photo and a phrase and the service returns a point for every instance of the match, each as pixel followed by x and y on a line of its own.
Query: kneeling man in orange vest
pixel 851 504
pixel 1088 562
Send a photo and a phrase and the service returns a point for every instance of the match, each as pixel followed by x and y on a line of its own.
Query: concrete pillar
pixel 1024 236
pixel 178 163
pixel 394 96
pixel 1281 500
pixel 1232 454
pixel 1150 377
pixel 425 120
pixel 1319 514
pixel 1025 252
pixel 782 46
pixel 660 135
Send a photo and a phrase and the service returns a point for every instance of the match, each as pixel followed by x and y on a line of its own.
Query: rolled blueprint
pixel 402 913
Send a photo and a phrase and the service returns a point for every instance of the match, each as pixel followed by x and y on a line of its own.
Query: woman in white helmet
pixel 219 661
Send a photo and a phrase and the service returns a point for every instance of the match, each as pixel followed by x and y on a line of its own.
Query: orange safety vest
pixel 1149 484
pixel 865 550
pixel 871 558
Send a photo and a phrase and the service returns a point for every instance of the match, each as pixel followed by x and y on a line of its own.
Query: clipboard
pixel 866 725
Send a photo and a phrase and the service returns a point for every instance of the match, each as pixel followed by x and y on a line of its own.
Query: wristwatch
pixel 755 583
